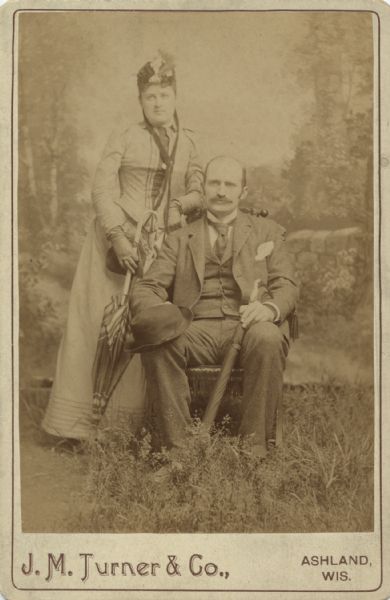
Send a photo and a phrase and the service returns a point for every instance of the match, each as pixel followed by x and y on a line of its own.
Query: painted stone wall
pixel 331 267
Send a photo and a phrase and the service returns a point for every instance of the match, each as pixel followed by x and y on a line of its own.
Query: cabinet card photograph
pixel 193 202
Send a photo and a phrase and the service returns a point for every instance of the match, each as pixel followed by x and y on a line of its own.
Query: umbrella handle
pixel 126 285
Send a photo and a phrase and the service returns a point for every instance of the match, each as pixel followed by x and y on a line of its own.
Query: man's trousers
pixel 262 357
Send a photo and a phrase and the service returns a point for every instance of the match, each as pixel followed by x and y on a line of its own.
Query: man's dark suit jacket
pixel 177 273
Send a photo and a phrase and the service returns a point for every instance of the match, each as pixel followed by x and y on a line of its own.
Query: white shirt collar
pixel 225 219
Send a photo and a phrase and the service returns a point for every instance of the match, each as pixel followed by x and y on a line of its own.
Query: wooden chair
pixel 202 380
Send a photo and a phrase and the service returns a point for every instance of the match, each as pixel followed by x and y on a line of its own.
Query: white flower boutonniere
pixel 264 250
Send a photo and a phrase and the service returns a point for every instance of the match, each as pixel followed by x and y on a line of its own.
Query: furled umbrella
pixel 111 360
pixel 226 370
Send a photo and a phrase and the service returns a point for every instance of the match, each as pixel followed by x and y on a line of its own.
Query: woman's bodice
pixel 129 175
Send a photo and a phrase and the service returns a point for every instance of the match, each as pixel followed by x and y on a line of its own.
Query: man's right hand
pixel 126 253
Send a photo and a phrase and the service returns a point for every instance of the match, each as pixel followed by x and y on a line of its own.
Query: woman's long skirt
pixel 70 406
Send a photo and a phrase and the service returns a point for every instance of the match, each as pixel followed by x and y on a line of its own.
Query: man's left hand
pixel 255 312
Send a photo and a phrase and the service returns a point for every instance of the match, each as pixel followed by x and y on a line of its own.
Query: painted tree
pixel 51 174
pixel 330 173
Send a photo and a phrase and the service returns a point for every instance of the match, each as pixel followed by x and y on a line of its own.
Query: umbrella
pixel 226 369
pixel 111 360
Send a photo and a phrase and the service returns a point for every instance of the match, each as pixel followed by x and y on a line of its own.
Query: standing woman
pixel 153 164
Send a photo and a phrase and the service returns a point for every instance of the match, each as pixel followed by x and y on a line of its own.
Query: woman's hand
pixel 174 215
pixel 126 253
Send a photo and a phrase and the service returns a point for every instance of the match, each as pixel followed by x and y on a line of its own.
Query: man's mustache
pixel 215 198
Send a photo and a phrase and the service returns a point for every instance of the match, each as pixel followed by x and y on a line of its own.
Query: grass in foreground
pixel 320 479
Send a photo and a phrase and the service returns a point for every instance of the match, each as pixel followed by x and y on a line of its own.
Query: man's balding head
pixel 233 162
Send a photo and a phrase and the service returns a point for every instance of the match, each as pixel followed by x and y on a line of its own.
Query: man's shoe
pixel 271 444
pixel 164 473
pixel 254 451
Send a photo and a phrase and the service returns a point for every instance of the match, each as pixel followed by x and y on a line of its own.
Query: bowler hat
pixel 157 325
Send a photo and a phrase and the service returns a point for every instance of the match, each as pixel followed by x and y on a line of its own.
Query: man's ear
pixel 244 193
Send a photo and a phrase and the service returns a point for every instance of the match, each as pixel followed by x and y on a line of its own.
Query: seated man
pixel 211 266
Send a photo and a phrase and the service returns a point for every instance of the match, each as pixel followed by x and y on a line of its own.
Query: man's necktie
pixel 222 239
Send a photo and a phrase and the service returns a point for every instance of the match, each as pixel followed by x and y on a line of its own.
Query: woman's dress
pixel 127 182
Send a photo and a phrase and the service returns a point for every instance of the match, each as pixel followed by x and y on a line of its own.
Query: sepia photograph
pixel 193 295
pixel 195 221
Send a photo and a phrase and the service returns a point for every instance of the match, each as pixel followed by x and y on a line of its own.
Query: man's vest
pixel 221 296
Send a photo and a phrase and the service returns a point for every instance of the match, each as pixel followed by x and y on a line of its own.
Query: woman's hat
pixel 157 325
pixel 160 70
